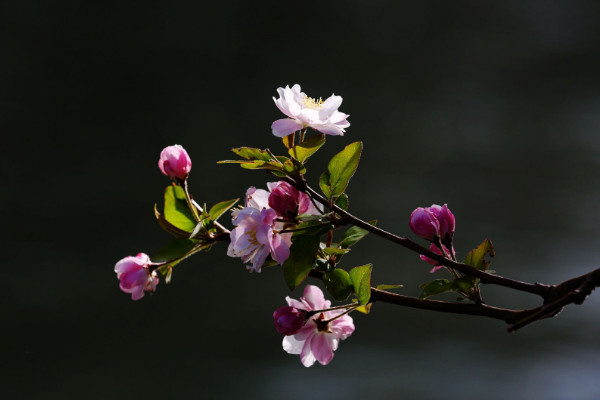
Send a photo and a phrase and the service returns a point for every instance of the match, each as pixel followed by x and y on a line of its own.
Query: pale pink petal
pixel 339 119
pixel 279 249
pixel 291 345
pixel 314 297
pixel 330 106
pixel 322 347
pixel 295 303
pixel 306 356
pixel 328 129
pixel 306 331
pixel 309 116
pixel 286 126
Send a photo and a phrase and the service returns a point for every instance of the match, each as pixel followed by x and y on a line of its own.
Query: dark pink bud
pixel 424 223
pixel 285 199
pixel 175 162
pixel 289 320
pixel 445 218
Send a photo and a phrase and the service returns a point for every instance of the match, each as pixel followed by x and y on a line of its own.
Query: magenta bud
pixel 445 219
pixel 175 162
pixel 285 199
pixel 288 320
pixel 424 224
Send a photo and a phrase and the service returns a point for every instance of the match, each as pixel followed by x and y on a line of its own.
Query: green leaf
pixel 340 169
pixel 354 234
pixel 388 287
pixel 338 284
pixel 311 217
pixel 312 228
pixel 220 208
pixel 361 281
pixel 364 309
pixel 342 201
pixel 464 283
pixel 302 255
pixel 176 209
pixel 174 250
pixel 334 251
pixel 250 153
pixel 476 257
pixel 435 287
pixel 304 150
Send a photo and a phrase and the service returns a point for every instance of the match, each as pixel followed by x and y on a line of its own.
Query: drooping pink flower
pixel 254 238
pixel 445 218
pixel 321 334
pixel 175 162
pixel 424 224
pixel 304 111
pixel 135 276
pixel 436 265
pixel 289 201
pixel 288 320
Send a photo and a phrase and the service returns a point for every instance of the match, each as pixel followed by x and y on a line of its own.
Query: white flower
pixel 304 111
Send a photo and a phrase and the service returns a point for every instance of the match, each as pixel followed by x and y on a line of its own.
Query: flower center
pixel 311 103
pixel 322 325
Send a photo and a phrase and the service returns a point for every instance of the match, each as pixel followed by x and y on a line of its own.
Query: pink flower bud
pixel 436 265
pixel 289 320
pixel 135 276
pixel 175 162
pixel 284 199
pixel 424 223
pixel 446 220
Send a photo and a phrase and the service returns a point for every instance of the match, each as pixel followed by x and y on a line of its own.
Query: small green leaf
pixel 334 251
pixel 476 257
pixel 176 209
pixel 175 249
pixel 388 287
pixel 307 148
pixel 312 228
pixel 354 234
pixel 338 284
pixel 364 309
pixel 342 201
pixel 220 208
pixel 302 255
pixel 311 217
pixel 464 283
pixel 250 153
pixel 340 169
pixel 361 281
pixel 435 287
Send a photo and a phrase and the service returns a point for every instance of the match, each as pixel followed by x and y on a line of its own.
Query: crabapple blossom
pixel 254 238
pixel 436 265
pixel 424 223
pixel 321 334
pixel 446 220
pixel 288 320
pixel 289 201
pixel 175 162
pixel 304 111
pixel 135 276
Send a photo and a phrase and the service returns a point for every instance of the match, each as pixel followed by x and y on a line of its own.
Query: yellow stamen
pixel 311 103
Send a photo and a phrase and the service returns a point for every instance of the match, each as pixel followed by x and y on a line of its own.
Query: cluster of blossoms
pixel 435 224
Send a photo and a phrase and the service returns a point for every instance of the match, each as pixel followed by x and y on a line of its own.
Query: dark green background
pixel 491 107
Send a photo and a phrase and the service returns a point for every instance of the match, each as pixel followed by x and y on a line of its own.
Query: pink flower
pixel 304 111
pixel 436 250
pixel 289 201
pixel 175 162
pixel 445 218
pixel 254 238
pixel 424 224
pixel 320 336
pixel 288 320
pixel 135 276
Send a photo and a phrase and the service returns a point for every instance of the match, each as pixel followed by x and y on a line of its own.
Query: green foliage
pixel 476 257
pixel 361 282
pixel 177 211
pixel 303 253
pixel 435 287
pixel 388 287
pixel 250 153
pixel 340 169
pixel 220 208
pixel 342 201
pixel 338 284
pixel 312 228
pixel 335 251
pixel 304 150
pixel 354 234
pixel 175 249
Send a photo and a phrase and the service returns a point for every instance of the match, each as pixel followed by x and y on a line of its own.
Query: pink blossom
pixel 304 111
pixel 135 276
pixel 424 224
pixel 445 218
pixel 289 201
pixel 175 162
pixel 320 336
pixel 288 320
pixel 254 238
pixel 433 248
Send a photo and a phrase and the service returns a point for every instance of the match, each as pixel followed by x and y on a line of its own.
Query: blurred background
pixel 491 107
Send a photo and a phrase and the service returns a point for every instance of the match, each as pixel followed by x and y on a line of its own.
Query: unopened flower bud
pixel 424 224
pixel 175 162
pixel 285 199
pixel 135 276
pixel 445 219
pixel 288 320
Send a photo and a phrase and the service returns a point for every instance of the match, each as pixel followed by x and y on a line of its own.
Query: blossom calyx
pixel 175 163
